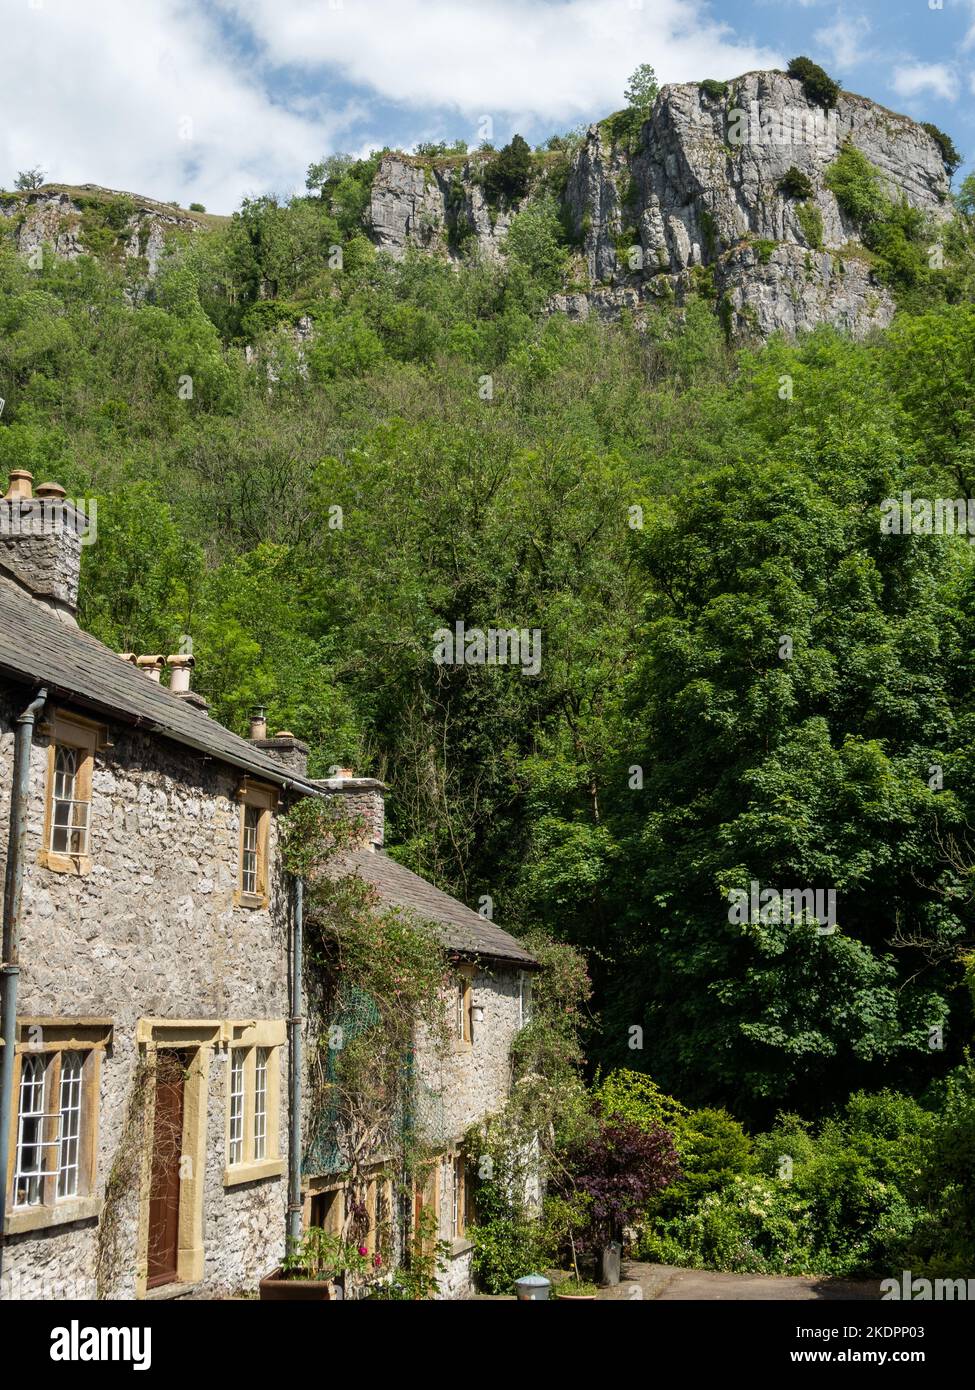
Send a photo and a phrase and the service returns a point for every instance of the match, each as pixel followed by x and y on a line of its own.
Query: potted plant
pixel 312 1267
pixel 578 1289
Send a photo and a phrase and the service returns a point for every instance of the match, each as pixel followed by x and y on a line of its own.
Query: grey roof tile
pixel 41 649
pixel 463 930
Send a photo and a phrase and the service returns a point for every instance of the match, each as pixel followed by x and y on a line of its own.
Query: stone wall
pixel 151 931
pixel 456 1090
pixel 473 1081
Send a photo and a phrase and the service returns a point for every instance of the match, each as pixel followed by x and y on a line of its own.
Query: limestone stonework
pixel 151 931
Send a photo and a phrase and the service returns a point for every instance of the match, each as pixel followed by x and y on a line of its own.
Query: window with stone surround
pixel 67 815
pixel 254 1101
pixel 459 1203
pixel 463 1003
pixel 57 1065
pixel 256 804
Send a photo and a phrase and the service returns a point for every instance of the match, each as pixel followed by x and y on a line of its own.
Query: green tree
pixel 28 179
pixel 507 176
pixel 642 88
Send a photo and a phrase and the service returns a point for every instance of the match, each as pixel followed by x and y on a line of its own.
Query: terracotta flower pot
pixel 277 1289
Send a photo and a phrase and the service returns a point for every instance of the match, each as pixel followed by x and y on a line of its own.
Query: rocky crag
pixel 697 199
pixel 75 221
pixel 693 202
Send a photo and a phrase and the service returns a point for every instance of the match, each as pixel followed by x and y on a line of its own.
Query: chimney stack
pixel 284 748
pixel 362 798
pixel 258 723
pixel 41 536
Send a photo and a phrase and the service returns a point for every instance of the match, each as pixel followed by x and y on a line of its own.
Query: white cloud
pixel 106 91
pixel 555 60
pixel 843 39
pixel 914 79
pixel 100 91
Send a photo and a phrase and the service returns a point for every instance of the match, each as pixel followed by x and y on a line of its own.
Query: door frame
pixel 196 1038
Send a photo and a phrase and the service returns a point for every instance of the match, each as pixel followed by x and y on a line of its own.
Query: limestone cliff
pixel 699 188
pixel 78 220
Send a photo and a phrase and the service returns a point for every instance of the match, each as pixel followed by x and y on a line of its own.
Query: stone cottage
pixel 489 1003
pixel 146 972
pixel 146 928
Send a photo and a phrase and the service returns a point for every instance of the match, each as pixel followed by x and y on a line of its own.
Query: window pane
pixel 260 1103
pixel 69 815
pixel 236 1149
pixel 30 1133
pixel 70 1107
pixel 252 821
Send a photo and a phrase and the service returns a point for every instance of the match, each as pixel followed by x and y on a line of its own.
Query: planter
pixel 277 1289
pixel 576 1298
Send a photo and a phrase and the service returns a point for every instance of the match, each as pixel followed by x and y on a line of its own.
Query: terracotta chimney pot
pixel 180 665
pixel 151 665
pixel 20 486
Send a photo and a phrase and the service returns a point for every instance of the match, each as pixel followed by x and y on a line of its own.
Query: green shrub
pixel 507 176
pixel 713 89
pixel 752 1226
pixel 946 147
pixel 895 232
pixel 795 184
pixel 764 249
pixel 857 186
pixel 811 222
pixel 714 1150
pixel 709 233
pixel 818 86
pixel 943 1243
pixel 506 1249
pixel 636 1097
pixel 344 347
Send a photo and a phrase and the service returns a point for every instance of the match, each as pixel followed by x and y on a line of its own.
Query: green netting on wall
pixel 322 1151
pixel 420 1119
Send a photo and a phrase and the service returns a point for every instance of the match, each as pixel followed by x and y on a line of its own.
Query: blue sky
pixel 211 100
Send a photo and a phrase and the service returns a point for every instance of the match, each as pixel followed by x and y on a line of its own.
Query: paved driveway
pixel 667 1283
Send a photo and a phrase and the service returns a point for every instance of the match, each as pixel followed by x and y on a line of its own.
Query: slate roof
pixel 39 648
pixel 462 930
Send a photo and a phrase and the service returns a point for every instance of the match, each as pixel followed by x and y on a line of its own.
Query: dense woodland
pixel 665 507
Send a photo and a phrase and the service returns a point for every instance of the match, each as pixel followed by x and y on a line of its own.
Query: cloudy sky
pixel 210 100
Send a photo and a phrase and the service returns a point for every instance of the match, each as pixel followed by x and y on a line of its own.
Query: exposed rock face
pixel 65 220
pixel 433 208
pixel 701 190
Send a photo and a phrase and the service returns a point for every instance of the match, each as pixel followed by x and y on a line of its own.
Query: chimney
pixel 180 668
pixel 284 748
pixel 40 542
pixel 151 666
pixel 361 797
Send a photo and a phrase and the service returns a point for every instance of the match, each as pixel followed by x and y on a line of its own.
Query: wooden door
pixel 167 1145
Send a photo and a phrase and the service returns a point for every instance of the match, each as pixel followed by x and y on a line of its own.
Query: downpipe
pixel 294 1078
pixel 13 893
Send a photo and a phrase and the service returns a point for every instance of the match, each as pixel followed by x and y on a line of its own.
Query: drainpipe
pixel 13 892
pixel 294 1088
